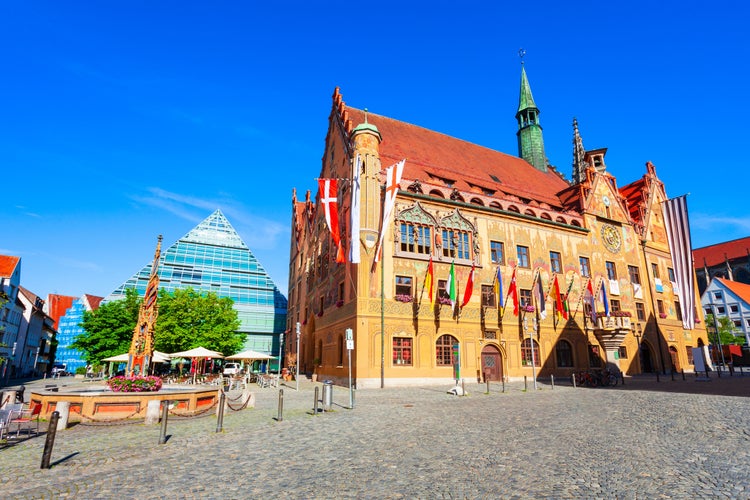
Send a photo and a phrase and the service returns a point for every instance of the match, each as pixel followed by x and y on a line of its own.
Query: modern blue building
pixel 69 328
pixel 213 258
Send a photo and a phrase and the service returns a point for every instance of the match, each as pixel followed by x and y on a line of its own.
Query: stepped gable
pixel 714 254
pixel 57 305
pixel 431 154
pixel 740 289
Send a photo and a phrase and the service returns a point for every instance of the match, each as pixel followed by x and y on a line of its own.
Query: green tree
pixel 727 330
pixel 108 330
pixel 189 319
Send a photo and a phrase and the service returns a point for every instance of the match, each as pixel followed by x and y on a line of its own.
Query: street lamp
pixel 718 334
pixel 638 333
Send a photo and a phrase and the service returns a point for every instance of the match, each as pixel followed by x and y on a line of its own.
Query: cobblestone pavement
pixel 644 440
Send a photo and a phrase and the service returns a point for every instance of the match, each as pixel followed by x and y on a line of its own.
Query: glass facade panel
pixel 213 258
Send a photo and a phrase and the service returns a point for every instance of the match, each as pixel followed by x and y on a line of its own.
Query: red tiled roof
pixel 57 305
pixel 635 194
pixel 740 289
pixel 93 301
pixel 8 264
pixel 30 296
pixel 430 153
pixel 714 254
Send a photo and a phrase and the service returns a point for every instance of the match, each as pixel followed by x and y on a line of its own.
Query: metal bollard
pixel 280 415
pixel 657 375
pixel 503 385
pixel 525 384
pixel 463 388
pixel 706 372
pixel 164 414
pixel 622 378
pixel 315 404
pixel 718 370
pixel 573 378
pixel 683 374
pixel 487 380
pixel 672 374
pixel 552 380
pixel 220 420
pixel 50 441
pixel 741 374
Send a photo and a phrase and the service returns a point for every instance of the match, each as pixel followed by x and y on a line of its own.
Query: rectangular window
pixel 523 256
pixel 442 292
pixel 670 273
pixel 456 244
pixel 488 295
pixel 689 350
pixel 640 311
pixel 655 270
pixel 734 308
pixel 720 310
pixel 717 295
pixel 497 252
pixel 635 275
pixel 403 285
pixel 402 351
pixel 623 352
pixel 614 305
pixel 525 297
pixel 678 310
pixel 341 292
pixel 737 323
pixel 415 238
pixel 660 308
pixel 611 270
pixel 555 262
pixel 585 267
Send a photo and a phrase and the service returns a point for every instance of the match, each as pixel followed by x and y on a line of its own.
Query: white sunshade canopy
pixel 158 357
pixel 250 355
pixel 198 352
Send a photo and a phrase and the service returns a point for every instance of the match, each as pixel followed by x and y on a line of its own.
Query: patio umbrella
pixel 197 354
pixel 158 357
pixel 250 355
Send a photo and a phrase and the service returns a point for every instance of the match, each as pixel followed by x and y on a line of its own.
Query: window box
pixel 404 298
pixel 663 315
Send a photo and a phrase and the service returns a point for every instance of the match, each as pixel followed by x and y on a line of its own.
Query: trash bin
pixel 327 395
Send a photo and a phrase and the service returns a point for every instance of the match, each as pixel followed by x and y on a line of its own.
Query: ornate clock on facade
pixel 611 238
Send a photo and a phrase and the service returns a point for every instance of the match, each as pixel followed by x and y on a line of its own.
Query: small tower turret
pixel 530 140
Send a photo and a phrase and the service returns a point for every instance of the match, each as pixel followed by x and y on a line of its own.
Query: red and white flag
pixel 676 222
pixel 328 199
pixel 513 292
pixel 469 287
pixel 393 178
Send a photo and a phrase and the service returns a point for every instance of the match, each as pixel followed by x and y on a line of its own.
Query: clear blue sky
pixel 123 120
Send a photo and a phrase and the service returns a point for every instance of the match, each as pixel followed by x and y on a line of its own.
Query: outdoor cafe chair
pixel 26 416
pixel 4 422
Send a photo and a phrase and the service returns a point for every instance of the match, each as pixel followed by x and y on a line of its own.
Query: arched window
pixel 513 208
pixel 560 219
pixel 564 354
pixel 546 216
pixel 494 204
pixel 575 223
pixel 436 193
pixel 477 201
pixel 444 350
pixel 526 353
pixel 530 212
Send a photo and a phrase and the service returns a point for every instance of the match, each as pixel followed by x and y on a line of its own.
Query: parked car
pixel 231 369
pixel 58 370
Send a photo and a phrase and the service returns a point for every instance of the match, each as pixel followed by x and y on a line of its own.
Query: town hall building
pixel 507 227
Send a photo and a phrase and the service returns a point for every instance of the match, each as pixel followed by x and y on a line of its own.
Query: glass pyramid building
pixel 213 258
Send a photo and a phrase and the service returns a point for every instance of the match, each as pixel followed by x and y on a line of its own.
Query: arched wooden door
pixel 648 366
pixel 675 358
pixel 492 363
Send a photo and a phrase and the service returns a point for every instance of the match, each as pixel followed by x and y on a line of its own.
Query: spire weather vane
pixel 521 53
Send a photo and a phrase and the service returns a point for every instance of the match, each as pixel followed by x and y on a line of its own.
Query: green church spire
pixel 530 140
